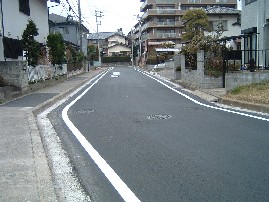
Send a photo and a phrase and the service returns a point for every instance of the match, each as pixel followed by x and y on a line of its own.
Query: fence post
pixel 182 60
pixel 201 63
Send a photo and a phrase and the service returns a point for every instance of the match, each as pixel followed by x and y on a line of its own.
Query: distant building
pixel 110 43
pixel 69 29
pixel 101 36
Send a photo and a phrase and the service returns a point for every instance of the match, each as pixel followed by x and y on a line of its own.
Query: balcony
pixel 160 25
pixel 161 36
pixel 166 1
pixel 162 12
pixel 146 5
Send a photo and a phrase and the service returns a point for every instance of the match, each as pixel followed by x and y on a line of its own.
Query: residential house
pixel 110 43
pixel 118 50
pixel 101 39
pixel 255 30
pixel 14 18
pixel 117 45
pixel 69 28
pixel 228 20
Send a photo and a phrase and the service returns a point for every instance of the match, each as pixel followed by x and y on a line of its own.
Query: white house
pixel 255 30
pixel 118 49
pixel 229 20
pixel 116 39
pixel 14 17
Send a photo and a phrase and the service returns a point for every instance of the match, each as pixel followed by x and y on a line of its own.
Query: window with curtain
pixel 24 7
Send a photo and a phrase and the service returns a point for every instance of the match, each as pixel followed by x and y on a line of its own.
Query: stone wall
pixel 15 73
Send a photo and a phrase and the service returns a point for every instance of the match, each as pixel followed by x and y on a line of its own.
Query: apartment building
pixel 161 21
pixel 159 24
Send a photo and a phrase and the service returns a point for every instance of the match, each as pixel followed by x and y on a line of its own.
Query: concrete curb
pixel 45 184
pixel 246 105
pixel 44 178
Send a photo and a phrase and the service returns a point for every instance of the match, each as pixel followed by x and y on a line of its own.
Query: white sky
pixel 117 13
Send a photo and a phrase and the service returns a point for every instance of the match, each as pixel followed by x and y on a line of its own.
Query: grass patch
pixel 254 93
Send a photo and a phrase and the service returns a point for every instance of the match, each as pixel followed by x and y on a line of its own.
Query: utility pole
pixel 80 29
pixel 98 14
pixel 132 41
pixel 140 37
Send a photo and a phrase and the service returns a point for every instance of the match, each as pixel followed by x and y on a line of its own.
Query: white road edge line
pixel 199 103
pixel 111 175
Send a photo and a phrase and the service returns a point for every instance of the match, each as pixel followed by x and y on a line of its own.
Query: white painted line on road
pixel 111 175
pixel 199 103
pixel 68 186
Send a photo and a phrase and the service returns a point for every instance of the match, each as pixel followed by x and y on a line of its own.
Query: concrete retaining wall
pixel 233 80
pixel 18 74
pixel 197 78
pixel 15 73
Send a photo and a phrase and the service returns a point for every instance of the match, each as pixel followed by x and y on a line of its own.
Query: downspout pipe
pixel 2 19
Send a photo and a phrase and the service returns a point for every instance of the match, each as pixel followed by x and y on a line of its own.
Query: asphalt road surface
pixel 150 142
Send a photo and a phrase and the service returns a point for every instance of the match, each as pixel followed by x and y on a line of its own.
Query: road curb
pixel 44 176
pixel 246 105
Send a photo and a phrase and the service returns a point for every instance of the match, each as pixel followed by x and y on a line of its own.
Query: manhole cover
pixel 159 116
pixel 194 109
pixel 84 111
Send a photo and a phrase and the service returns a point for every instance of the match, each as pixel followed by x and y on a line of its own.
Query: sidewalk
pixel 24 170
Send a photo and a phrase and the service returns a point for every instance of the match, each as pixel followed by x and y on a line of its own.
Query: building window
pixel 64 30
pixel 195 1
pixel 219 25
pixel 24 7
pixel 249 1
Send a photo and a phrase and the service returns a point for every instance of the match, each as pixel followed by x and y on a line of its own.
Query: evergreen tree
pixel 196 22
pixel 30 45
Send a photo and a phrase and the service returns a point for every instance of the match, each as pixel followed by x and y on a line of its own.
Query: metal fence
pixel 247 59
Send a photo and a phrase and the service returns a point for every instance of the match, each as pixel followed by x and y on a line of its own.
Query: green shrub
pixel 114 59
pixel 55 42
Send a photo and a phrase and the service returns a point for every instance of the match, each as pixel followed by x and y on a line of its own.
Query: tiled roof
pixel 102 35
pixel 222 10
pixel 59 19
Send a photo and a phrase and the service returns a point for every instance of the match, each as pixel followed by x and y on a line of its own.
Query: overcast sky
pixel 117 13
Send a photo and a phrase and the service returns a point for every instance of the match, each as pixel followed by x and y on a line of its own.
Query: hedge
pixel 116 59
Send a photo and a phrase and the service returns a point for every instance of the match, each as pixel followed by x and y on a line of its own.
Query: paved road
pixel 162 145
